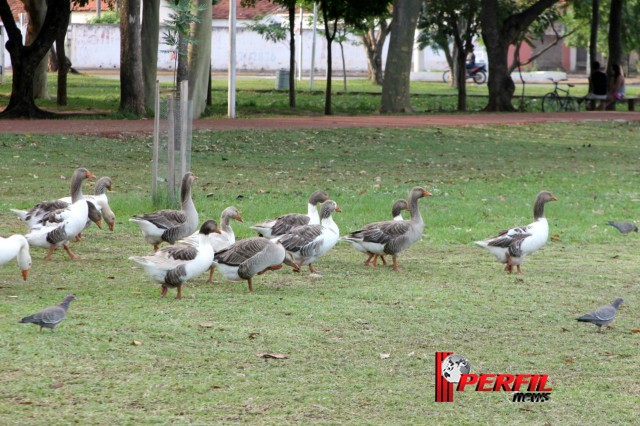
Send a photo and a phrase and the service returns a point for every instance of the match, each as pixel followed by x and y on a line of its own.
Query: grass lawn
pixel 256 97
pixel 360 342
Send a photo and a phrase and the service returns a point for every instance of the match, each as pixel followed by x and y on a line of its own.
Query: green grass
pixel 91 95
pixel 452 295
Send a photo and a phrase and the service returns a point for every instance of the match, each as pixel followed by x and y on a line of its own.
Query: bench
pixel 631 102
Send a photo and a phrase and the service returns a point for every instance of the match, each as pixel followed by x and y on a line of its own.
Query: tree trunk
pixel 344 68
pixel 595 23
pixel 329 35
pixel 497 36
pixel 292 55
pixel 209 87
pixel 24 60
pixel 200 59
pixel 63 69
pixel 131 82
pixel 461 70
pixel 373 42
pixel 37 10
pixel 397 74
pixel 182 73
pixel 615 34
pixel 150 39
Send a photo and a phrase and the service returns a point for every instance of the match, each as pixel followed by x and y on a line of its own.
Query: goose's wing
pixel 302 238
pixel 164 219
pixel 286 223
pixel 184 253
pixel 239 252
pixel 383 232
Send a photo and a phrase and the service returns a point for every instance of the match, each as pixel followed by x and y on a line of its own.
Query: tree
pixel 25 59
pixel 131 82
pixel 373 39
pixel 290 5
pixel 397 75
pixel 150 39
pixel 499 30
pixel 200 58
pixel 37 10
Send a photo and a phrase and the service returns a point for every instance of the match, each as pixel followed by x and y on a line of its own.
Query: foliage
pixel 126 356
pixel 270 28
pixel 178 26
pixel 106 17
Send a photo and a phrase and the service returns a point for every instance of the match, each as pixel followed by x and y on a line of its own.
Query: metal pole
pixel 231 95
pixel 300 43
pixel 156 144
pixel 171 146
pixel 184 120
pixel 313 46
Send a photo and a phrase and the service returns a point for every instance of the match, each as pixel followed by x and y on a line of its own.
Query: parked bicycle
pixel 477 72
pixel 559 99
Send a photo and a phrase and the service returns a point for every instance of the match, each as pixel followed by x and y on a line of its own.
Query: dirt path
pixel 110 127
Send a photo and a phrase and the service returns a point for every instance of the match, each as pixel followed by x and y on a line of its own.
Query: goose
pixel 16 246
pixel 58 216
pixel 511 246
pixel 220 241
pixel 172 266
pixel 393 236
pixel 171 225
pixel 283 224
pixel 249 257
pixel 309 242
pixel 100 200
pixel 396 213
pixel 34 216
pixel 72 220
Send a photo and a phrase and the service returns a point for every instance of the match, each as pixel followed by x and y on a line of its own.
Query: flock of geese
pixel 293 239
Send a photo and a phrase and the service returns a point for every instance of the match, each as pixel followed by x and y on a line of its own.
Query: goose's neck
pixel 414 209
pixel 76 189
pixel 101 187
pixel 225 221
pixel 312 212
pixel 538 209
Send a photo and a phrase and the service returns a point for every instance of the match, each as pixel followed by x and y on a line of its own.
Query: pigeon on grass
pixel 603 316
pixel 624 227
pixel 50 317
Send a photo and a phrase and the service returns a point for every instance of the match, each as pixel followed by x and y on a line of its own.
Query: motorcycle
pixel 478 72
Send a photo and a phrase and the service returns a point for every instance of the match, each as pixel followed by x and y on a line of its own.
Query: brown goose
pixel 511 246
pixel 307 243
pixel 283 224
pixel 396 214
pixel 171 225
pixel 392 237
pixel 172 266
pixel 249 257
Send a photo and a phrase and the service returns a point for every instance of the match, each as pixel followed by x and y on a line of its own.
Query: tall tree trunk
pixel 292 55
pixel 150 39
pixel 182 73
pixel 131 82
pixel 25 59
pixel 373 41
pixel 63 68
pixel 37 10
pixel 200 59
pixel 615 34
pixel 595 23
pixel 329 35
pixel 397 74
pixel 498 34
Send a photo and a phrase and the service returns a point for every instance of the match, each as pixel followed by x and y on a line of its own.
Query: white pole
pixel 231 97
pixel 156 144
pixel 184 123
pixel 171 147
pixel 313 45
pixel 300 43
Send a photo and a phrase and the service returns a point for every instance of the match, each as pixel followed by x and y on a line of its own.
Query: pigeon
pixel 603 316
pixel 624 227
pixel 50 317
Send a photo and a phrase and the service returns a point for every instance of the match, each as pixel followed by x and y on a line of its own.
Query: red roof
pixel 263 7
pixel 91 6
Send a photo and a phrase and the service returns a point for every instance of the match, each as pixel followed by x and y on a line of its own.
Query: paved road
pixel 110 127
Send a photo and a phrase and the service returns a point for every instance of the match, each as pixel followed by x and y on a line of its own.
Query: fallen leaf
pixel 57 385
pixel 384 356
pixel 216 387
pixel 205 324
pixel 568 361
pixel 253 335
pixel 635 331
pixel 111 278
pixel 274 355
pixel 136 292
pixel 136 343
pixel 377 185
pixel 555 238
pixel 61 288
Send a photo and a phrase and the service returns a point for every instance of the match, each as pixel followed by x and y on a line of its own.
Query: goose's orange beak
pixel 111 225
pixel 239 218
pixel 426 194
pixel 99 223
pixel 25 272
pixel 90 175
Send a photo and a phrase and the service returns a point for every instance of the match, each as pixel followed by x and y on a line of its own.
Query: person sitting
pixel 597 86
pixel 619 87
pixel 471 60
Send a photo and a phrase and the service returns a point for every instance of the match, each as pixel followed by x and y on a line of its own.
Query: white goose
pixel 396 213
pixel 40 213
pixel 283 224
pixel 309 242
pixel 172 266
pixel 100 200
pixel 249 257
pixel 16 246
pixel 68 223
pixel 171 225
pixel 511 246
pixel 392 237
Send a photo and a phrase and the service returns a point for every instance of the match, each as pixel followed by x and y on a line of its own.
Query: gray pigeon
pixel 603 316
pixel 50 317
pixel 624 227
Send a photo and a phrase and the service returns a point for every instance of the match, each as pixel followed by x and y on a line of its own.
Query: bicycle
pixel 559 99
